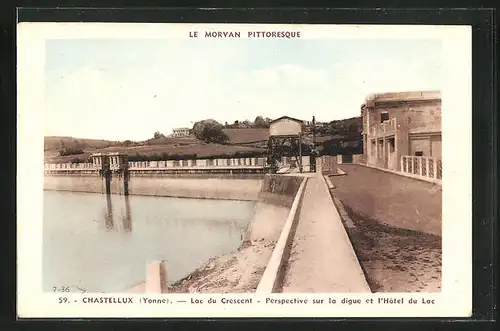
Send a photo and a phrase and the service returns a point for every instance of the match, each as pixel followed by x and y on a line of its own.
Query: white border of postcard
pixel 455 299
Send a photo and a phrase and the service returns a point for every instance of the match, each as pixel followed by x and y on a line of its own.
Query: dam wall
pixel 274 201
pixel 227 187
pixel 279 190
pixel 232 179
pixel 89 183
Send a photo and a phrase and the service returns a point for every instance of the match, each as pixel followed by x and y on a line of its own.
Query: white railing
pixel 424 166
pixel 72 166
pixel 384 127
pixel 257 162
pixel 249 162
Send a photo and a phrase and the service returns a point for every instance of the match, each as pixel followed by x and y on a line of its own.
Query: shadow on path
pixel 396 260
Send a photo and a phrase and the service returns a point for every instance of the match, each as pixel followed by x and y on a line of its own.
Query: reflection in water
pixel 97 250
pixel 125 221
pixel 108 216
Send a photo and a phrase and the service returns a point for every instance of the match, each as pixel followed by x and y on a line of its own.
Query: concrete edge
pixel 274 271
pixel 340 172
pixel 403 174
pixel 329 182
pixel 364 283
pixel 343 213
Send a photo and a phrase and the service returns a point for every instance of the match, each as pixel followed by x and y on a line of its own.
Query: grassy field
pixel 247 136
pixel 55 143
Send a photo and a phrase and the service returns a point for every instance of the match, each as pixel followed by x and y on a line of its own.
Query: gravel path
pixel 394 229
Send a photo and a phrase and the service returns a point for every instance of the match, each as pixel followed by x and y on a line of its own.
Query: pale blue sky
pixel 128 89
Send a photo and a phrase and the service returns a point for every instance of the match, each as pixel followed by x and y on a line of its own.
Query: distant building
pixel 180 132
pixel 285 126
pixel 398 124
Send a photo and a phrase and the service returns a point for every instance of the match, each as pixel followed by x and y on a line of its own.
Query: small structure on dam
pixel 109 164
pixel 285 135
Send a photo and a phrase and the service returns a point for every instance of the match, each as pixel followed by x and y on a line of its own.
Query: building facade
pixel 180 132
pixel 400 124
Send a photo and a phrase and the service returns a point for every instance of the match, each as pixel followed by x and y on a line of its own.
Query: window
pixel 391 145
pixel 384 116
pixel 419 153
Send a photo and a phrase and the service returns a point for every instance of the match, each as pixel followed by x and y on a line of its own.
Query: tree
pixel 70 151
pixel 158 135
pixel 332 146
pixel 209 131
pixel 260 122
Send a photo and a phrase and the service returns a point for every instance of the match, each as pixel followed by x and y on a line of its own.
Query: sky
pixel 120 89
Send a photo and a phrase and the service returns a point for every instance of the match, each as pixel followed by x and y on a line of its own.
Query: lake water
pixel 103 243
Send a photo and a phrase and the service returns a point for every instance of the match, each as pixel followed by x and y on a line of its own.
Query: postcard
pixel 244 170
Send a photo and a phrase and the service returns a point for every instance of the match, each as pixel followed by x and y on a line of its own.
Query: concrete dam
pixel 227 179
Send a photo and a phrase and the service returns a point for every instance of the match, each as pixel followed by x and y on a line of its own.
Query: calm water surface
pixel 102 243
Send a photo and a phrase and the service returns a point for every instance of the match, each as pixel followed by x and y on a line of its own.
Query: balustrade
pixel 193 163
pixel 383 128
pixel 425 166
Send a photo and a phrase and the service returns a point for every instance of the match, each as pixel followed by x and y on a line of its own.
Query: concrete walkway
pixel 322 258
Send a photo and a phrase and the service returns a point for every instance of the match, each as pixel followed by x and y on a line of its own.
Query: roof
pixel 109 154
pixel 288 118
pixel 176 129
pixel 401 97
